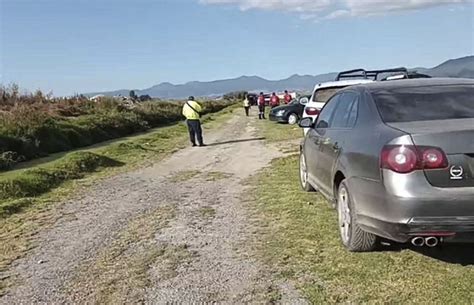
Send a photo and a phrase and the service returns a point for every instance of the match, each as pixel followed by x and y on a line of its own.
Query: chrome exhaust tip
pixel 431 241
pixel 418 241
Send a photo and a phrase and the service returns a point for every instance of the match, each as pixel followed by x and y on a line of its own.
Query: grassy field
pixel 300 241
pixel 22 217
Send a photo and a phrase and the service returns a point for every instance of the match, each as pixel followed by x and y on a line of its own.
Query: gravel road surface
pixel 177 232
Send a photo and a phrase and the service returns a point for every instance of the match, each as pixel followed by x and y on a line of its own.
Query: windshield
pixel 323 95
pixel 425 103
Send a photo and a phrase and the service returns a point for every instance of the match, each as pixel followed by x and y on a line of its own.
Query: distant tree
pixel 132 95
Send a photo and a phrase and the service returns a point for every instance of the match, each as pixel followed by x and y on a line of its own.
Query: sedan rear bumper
pixel 404 206
pixel 451 229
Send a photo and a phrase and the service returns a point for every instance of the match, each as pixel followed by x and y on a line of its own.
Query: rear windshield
pixel 323 95
pixel 425 103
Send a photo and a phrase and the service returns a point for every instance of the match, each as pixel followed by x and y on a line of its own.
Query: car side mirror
pixel 306 123
pixel 304 100
pixel 322 124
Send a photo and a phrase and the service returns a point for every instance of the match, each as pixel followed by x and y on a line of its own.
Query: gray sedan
pixel 396 159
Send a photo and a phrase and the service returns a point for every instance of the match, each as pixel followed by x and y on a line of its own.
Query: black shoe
pixel 202 145
pixel 194 145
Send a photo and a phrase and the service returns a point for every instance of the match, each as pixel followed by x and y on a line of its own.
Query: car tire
pixel 304 175
pixel 293 119
pixel 353 237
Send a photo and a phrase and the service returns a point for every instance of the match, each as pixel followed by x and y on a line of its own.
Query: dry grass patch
pixel 216 176
pixel 207 212
pixel 183 176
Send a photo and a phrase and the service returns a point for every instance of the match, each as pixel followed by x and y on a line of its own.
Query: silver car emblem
pixel 456 172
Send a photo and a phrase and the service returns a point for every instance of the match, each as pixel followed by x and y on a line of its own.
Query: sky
pixel 77 46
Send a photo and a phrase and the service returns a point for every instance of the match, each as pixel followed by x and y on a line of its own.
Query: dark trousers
pixel 261 112
pixel 195 131
pixel 247 110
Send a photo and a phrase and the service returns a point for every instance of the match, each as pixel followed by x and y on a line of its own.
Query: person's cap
pixel 191 98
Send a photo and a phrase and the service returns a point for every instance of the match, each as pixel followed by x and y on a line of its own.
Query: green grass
pixel 277 132
pixel 300 240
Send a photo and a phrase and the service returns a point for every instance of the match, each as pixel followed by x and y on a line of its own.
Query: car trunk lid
pixel 456 138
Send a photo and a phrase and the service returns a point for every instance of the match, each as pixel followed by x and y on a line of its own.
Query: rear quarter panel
pixel 360 159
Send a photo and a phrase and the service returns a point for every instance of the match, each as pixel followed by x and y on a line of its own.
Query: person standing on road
pixel 261 106
pixel 287 97
pixel 274 100
pixel 192 112
pixel 246 105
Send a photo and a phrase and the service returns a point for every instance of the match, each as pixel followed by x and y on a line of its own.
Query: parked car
pixel 290 113
pixel 396 158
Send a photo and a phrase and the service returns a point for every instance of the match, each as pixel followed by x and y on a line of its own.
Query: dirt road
pixel 177 232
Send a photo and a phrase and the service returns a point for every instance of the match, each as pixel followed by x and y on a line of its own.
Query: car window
pixel 353 114
pixel 324 118
pixel 425 103
pixel 323 95
pixel 344 110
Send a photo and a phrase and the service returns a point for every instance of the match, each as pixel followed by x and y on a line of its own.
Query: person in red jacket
pixel 287 97
pixel 261 106
pixel 274 100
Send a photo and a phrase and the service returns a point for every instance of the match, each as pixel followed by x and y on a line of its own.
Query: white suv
pixel 321 94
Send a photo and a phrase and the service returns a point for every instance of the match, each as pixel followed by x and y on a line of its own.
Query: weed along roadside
pixel 298 237
pixel 30 197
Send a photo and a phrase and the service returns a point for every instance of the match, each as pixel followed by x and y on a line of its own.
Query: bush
pixel 36 125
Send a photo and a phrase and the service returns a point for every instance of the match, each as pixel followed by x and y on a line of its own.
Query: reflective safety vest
pixel 192 110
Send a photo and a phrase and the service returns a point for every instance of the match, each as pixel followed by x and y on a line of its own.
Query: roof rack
pixel 371 74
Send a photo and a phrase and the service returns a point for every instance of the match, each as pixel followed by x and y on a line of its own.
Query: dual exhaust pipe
pixel 430 241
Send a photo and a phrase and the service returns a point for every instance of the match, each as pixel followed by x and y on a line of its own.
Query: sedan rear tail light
pixel 311 111
pixel 407 158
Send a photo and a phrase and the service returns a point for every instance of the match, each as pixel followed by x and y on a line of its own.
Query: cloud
pixel 329 9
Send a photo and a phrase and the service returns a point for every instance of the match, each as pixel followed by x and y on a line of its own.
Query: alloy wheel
pixel 292 119
pixel 344 214
pixel 303 171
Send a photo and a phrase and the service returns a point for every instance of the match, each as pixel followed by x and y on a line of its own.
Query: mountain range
pixel 460 67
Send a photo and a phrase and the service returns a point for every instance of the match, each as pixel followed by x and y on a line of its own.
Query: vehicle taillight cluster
pixel 407 158
pixel 311 111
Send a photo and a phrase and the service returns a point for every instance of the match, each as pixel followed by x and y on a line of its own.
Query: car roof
pixel 342 83
pixel 412 83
